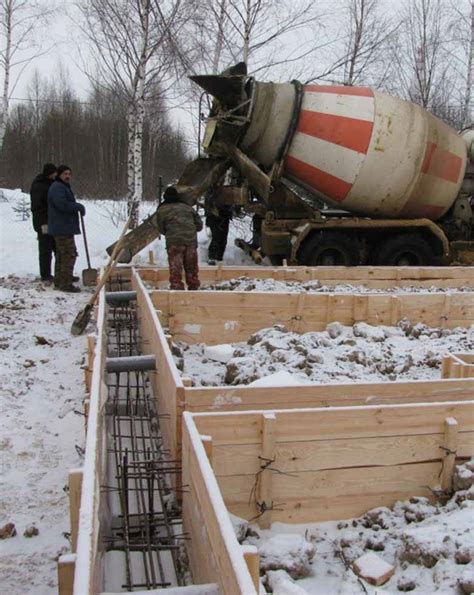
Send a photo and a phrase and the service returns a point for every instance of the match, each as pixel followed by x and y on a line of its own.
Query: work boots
pixel 68 288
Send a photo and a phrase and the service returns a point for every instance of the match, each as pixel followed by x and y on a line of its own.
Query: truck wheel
pixel 404 250
pixel 329 249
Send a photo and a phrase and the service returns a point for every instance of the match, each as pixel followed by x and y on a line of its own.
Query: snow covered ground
pixel 248 284
pixel 41 387
pixel 430 545
pixel 358 353
pixel 104 220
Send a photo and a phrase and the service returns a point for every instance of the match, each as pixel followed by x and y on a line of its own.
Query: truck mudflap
pixel 197 177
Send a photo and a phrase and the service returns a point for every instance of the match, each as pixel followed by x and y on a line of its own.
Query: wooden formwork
pixel 81 571
pixel 458 365
pixel 204 316
pixel 313 465
pixel 372 277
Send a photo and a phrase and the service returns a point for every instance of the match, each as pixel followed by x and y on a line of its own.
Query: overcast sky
pixel 64 38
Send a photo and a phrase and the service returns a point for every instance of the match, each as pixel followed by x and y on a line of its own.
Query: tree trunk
pixel 6 77
pixel 470 63
pixel 220 37
pixel 247 31
pixel 131 121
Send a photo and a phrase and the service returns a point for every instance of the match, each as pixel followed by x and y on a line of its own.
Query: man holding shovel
pixel 63 224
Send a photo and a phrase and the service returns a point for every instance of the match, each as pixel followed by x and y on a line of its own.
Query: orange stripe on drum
pixel 325 183
pixel 441 163
pixel 340 130
pixel 340 90
pixel 430 212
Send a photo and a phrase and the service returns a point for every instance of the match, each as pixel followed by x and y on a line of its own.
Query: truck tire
pixel 329 249
pixel 404 250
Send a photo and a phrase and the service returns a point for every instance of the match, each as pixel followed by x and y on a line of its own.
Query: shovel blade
pixel 81 321
pixel 89 277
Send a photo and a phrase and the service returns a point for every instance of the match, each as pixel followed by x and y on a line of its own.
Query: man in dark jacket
pixel 39 208
pixel 218 220
pixel 179 223
pixel 63 224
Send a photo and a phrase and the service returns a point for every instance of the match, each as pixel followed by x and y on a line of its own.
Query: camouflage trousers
pixel 66 255
pixel 179 257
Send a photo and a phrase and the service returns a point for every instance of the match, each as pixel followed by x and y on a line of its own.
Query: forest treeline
pixel 90 135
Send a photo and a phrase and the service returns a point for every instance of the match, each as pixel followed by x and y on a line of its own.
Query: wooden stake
pixel 66 568
pixel 151 257
pixel 265 487
pixel 252 559
pixel 75 487
pixel 186 381
pixel 449 460
pixel 86 405
pixel 446 367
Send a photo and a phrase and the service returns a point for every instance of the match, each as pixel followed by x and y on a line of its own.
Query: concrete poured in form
pixel 379 441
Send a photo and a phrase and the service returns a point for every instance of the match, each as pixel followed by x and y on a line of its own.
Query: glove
pixel 82 209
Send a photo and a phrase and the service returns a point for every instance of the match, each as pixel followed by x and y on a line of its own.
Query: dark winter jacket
pixel 39 201
pixel 179 222
pixel 63 209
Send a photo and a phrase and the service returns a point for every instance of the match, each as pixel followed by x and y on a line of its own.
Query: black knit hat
pixel 171 194
pixel 63 168
pixel 48 169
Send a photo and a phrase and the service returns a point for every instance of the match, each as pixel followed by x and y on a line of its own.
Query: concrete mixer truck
pixel 334 175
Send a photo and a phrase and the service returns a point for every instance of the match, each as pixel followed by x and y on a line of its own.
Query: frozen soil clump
pixel 431 546
pixel 358 353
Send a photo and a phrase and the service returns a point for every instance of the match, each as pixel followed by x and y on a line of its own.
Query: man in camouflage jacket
pixel 179 223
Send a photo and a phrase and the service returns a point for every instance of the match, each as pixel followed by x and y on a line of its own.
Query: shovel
pixel 82 319
pixel 89 275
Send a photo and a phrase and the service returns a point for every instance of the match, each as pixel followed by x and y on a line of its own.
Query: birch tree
pixel 423 66
pixel 262 33
pixel 358 55
pixel 19 22
pixel 461 50
pixel 133 46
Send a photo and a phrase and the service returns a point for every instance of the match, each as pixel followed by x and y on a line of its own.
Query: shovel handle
pixel 110 265
pixel 83 227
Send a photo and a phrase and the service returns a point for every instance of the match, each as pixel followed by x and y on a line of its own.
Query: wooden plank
pixel 208 447
pixel 316 455
pixel 221 399
pixel 301 425
pixel 451 449
pixel 166 382
pixel 230 569
pixel 386 276
pixel 75 486
pixel 66 570
pixel 93 508
pixel 265 477
pixel 216 317
pixel 334 494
